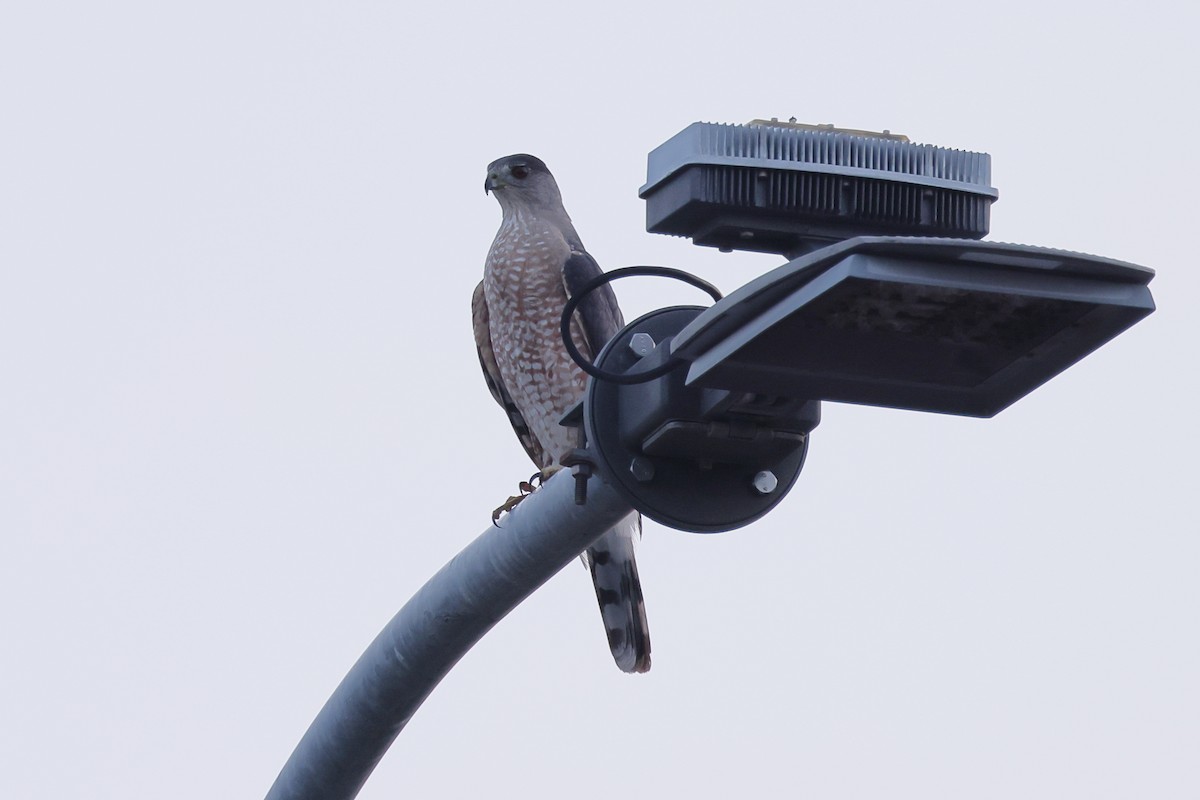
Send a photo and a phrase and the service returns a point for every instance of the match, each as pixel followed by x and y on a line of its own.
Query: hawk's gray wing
pixel 491 374
pixel 611 558
pixel 599 314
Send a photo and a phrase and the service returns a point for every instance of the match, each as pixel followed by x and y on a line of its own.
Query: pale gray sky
pixel 241 418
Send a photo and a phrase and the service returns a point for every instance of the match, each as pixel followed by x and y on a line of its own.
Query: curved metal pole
pixel 441 622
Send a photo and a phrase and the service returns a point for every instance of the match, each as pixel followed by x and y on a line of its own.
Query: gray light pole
pixel 451 612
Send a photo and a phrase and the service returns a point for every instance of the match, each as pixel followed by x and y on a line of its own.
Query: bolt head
pixel 765 482
pixel 642 469
pixel 642 344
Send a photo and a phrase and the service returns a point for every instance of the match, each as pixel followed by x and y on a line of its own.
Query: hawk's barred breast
pixel 525 297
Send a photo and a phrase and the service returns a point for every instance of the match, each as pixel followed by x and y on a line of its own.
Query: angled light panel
pixel 944 325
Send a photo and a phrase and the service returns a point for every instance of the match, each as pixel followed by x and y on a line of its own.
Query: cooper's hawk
pixel 535 263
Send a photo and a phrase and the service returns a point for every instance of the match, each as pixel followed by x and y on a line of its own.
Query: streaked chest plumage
pixel 523 287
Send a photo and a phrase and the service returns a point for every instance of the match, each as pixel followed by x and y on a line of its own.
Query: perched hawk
pixel 535 263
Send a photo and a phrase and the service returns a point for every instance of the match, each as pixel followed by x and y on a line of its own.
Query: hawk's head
pixel 522 180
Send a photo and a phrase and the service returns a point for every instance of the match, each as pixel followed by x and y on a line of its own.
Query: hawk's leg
pixel 525 488
pixel 543 475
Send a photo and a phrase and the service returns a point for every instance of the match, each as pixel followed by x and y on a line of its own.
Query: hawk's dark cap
pixel 519 159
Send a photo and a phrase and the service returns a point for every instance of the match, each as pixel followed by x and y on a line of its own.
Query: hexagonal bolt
pixel 642 344
pixel 765 482
pixel 642 469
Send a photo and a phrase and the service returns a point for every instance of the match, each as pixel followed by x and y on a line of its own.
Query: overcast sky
pixel 242 420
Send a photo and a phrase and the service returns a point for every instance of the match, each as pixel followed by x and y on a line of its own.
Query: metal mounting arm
pixel 441 622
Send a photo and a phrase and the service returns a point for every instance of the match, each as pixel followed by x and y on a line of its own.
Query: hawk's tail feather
pixel 619 592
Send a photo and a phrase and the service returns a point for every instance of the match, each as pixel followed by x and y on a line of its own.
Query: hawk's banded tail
pixel 619 591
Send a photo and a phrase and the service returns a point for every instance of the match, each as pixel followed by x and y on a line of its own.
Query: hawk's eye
pixel 520 172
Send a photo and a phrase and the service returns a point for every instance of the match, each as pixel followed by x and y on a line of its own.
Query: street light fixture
pixel 870 309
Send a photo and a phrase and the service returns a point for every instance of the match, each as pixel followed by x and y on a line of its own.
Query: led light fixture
pixel 889 299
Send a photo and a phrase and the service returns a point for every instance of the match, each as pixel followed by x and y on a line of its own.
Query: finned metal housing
pixel 784 188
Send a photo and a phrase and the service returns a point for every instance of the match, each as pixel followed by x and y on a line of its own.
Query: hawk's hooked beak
pixel 492 182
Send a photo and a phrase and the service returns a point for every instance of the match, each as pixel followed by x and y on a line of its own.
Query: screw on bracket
pixel 642 344
pixel 765 482
pixel 582 467
pixel 642 469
